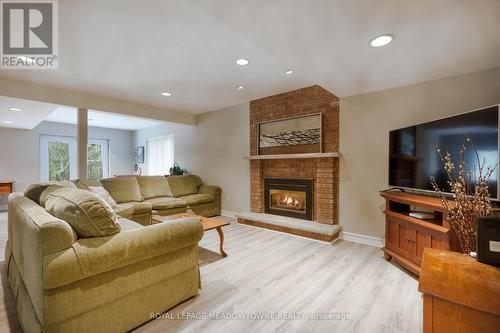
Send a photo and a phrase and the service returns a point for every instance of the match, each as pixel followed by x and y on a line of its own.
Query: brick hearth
pixel 323 171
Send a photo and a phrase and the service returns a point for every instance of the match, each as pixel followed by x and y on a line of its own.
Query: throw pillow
pixel 88 214
pixel 34 191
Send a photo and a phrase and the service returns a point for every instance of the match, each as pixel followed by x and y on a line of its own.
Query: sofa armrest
pixel 92 256
pixel 214 191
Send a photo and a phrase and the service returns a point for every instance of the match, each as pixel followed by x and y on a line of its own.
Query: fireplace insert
pixel 289 197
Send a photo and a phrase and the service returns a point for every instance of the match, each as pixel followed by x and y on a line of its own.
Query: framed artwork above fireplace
pixel 293 135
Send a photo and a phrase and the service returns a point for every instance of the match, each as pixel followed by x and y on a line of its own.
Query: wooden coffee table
pixel 208 224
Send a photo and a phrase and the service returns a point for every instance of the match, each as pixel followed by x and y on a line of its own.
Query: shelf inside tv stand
pixel 407 236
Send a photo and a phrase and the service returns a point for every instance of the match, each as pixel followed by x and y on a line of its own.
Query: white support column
pixel 82 135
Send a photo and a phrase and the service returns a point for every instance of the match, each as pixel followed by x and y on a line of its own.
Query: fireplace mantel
pixel 290 156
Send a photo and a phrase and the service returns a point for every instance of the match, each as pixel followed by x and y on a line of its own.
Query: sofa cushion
pixel 34 191
pixel 129 209
pixel 196 199
pixel 103 194
pixel 167 203
pixel 89 215
pixel 123 189
pixel 184 185
pixel 126 224
pixel 154 186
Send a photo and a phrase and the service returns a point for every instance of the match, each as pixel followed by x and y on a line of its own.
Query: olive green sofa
pixel 138 197
pixel 64 283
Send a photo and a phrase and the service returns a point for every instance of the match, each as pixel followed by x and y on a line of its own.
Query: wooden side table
pixel 6 187
pixel 208 224
pixel 460 294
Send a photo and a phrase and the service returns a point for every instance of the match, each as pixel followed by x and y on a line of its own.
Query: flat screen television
pixel 413 159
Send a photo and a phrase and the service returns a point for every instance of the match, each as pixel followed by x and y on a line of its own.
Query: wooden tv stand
pixel 406 236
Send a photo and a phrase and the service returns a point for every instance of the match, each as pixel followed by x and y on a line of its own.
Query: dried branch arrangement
pixel 470 197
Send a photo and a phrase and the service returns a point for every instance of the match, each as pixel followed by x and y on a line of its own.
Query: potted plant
pixel 176 170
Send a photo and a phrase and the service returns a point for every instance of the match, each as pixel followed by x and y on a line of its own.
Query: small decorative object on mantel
pixel 300 134
pixel 470 198
pixel 176 170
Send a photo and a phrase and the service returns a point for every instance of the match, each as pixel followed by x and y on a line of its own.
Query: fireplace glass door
pixel 289 197
pixel 288 200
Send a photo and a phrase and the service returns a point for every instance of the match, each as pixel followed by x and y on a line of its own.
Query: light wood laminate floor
pixel 271 273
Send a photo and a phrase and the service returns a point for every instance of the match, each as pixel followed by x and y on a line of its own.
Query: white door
pixel 97 159
pixel 59 161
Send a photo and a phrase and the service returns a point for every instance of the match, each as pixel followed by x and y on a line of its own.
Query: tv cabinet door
pixel 398 237
pixel 422 238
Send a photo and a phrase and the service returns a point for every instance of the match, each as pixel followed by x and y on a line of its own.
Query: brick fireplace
pixel 321 168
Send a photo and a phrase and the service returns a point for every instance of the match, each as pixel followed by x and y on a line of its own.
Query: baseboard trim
pixel 227 213
pixel 362 239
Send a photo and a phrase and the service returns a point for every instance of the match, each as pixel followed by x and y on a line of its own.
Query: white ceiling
pixel 68 115
pixel 35 112
pixel 134 50
pixel 31 115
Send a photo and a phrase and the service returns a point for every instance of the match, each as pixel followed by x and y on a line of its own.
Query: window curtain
pixel 160 155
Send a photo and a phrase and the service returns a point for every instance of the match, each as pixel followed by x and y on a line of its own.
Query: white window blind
pixel 160 155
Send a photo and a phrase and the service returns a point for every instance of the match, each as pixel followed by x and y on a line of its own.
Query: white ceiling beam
pixel 49 94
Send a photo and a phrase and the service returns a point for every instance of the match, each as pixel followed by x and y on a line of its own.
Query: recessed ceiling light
pixel 166 94
pixel 242 62
pixel 15 109
pixel 288 72
pixel 239 87
pixel 8 122
pixel 381 40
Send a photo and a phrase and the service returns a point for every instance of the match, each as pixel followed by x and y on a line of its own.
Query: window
pixel 160 155
pixel 58 158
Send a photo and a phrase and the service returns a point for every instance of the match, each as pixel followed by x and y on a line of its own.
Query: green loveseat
pixel 140 197
pixel 113 283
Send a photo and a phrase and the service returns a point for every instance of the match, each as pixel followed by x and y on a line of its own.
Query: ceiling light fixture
pixel 15 109
pixel 242 62
pixel 8 122
pixel 382 40
pixel 166 94
pixel 239 87
pixel 288 72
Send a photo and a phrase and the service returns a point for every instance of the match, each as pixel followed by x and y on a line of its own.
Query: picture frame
pixel 139 155
pixel 291 135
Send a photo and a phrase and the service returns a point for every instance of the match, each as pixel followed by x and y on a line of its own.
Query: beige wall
pixel 214 150
pixel 365 122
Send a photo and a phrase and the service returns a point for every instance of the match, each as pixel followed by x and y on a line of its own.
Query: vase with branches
pixel 470 197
